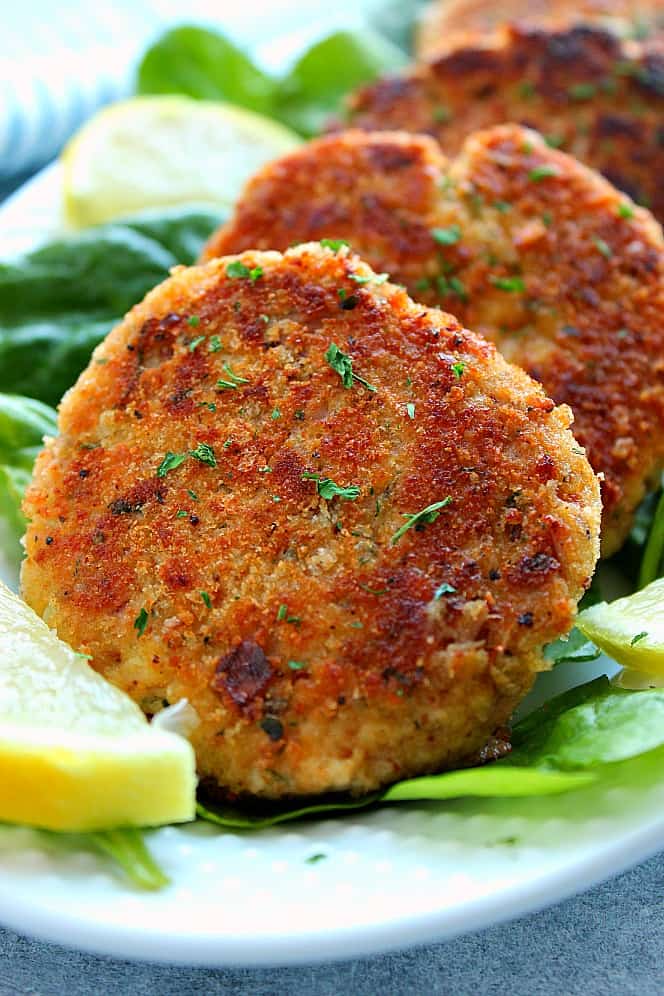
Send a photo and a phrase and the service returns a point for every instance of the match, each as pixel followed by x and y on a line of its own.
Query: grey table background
pixel 608 942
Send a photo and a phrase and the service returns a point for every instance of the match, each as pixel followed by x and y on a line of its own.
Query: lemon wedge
pixel 76 753
pixel 152 152
pixel 631 629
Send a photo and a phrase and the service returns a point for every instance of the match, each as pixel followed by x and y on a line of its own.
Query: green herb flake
pixel 313 859
pixel 547 219
pixel 299 415
pixel 192 495
pixel 554 141
pixel 141 621
pixel 206 599
pixel 334 244
pixel 328 490
pixel 410 409
pixel 625 210
pixel 527 90
pixel 342 364
pixel 603 247
pixel 214 345
pixel 502 206
pixel 276 413
pixel 419 519
pixel 193 321
pixel 297 665
pixel 255 274
pixel 205 454
pixel 170 462
pixel 181 514
pixel 375 278
pixel 265 469
pixel 196 342
pixel 237 270
pixel 538 173
pixel 458 369
pixel 282 612
pixel 446 236
pixel 582 91
pixel 443 589
pixel 233 381
pixel 637 639
pixel 441 114
pixel 515 285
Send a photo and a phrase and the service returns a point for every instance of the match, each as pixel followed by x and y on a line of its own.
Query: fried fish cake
pixel 338 523
pixel 521 242
pixel 597 97
pixel 450 24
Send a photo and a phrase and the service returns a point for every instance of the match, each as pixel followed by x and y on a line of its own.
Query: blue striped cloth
pixel 59 62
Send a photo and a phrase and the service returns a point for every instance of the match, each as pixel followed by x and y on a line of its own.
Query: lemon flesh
pixel 161 151
pixel 631 629
pixel 76 753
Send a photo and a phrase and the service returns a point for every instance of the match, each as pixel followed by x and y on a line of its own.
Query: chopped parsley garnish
pixel 554 141
pixel 206 599
pixel 299 415
pixel 214 344
pixel 582 91
pixel 255 273
pixel 210 405
pixel 625 210
pixel 333 244
pixel 446 236
pixel 458 369
pixel 410 409
pixel 170 462
pixel 328 490
pixel 237 270
pixel 513 284
pixel 527 90
pixel 193 321
pixel 637 639
pixel 192 495
pixel 181 514
pixel 276 413
pixel 420 519
pixel 443 589
pixel 602 247
pixel 141 621
pixel 196 342
pixel 342 364
pixel 315 858
pixel 375 278
pixel 538 173
pixel 282 612
pixel 205 454
pixel 233 380
pixel 296 665
pixel 547 219
pixel 502 206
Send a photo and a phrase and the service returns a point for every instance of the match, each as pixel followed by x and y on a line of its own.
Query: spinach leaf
pixel 206 65
pixel 315 87
pixel 23 424
pixel 58 302
pixel 595 724
pixel 652 563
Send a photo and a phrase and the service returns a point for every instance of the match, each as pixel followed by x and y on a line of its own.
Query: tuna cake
pixel 338 523
pixel 450 24
pixel 524 245
pixel 592 94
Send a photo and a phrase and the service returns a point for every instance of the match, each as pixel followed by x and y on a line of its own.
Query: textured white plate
pixel 391 878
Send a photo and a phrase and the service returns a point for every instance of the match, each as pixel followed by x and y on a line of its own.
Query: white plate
pixel 390 878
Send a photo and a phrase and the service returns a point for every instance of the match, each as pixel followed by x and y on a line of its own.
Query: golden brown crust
pixel 447 25
pixel 319 653
pixel 601 99
pixel 545 258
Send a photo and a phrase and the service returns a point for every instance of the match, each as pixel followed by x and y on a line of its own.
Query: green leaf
pixel 205 65
pixel 574 648
pixel 653 555
pixel 315 88
pixel 491 780
pixel 592 725
pixel 58 302
pixel 23 424
pixel 270 815
pixel 128 849
pixel 328 490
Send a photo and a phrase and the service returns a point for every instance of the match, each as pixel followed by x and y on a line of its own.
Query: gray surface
pixel 608 942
